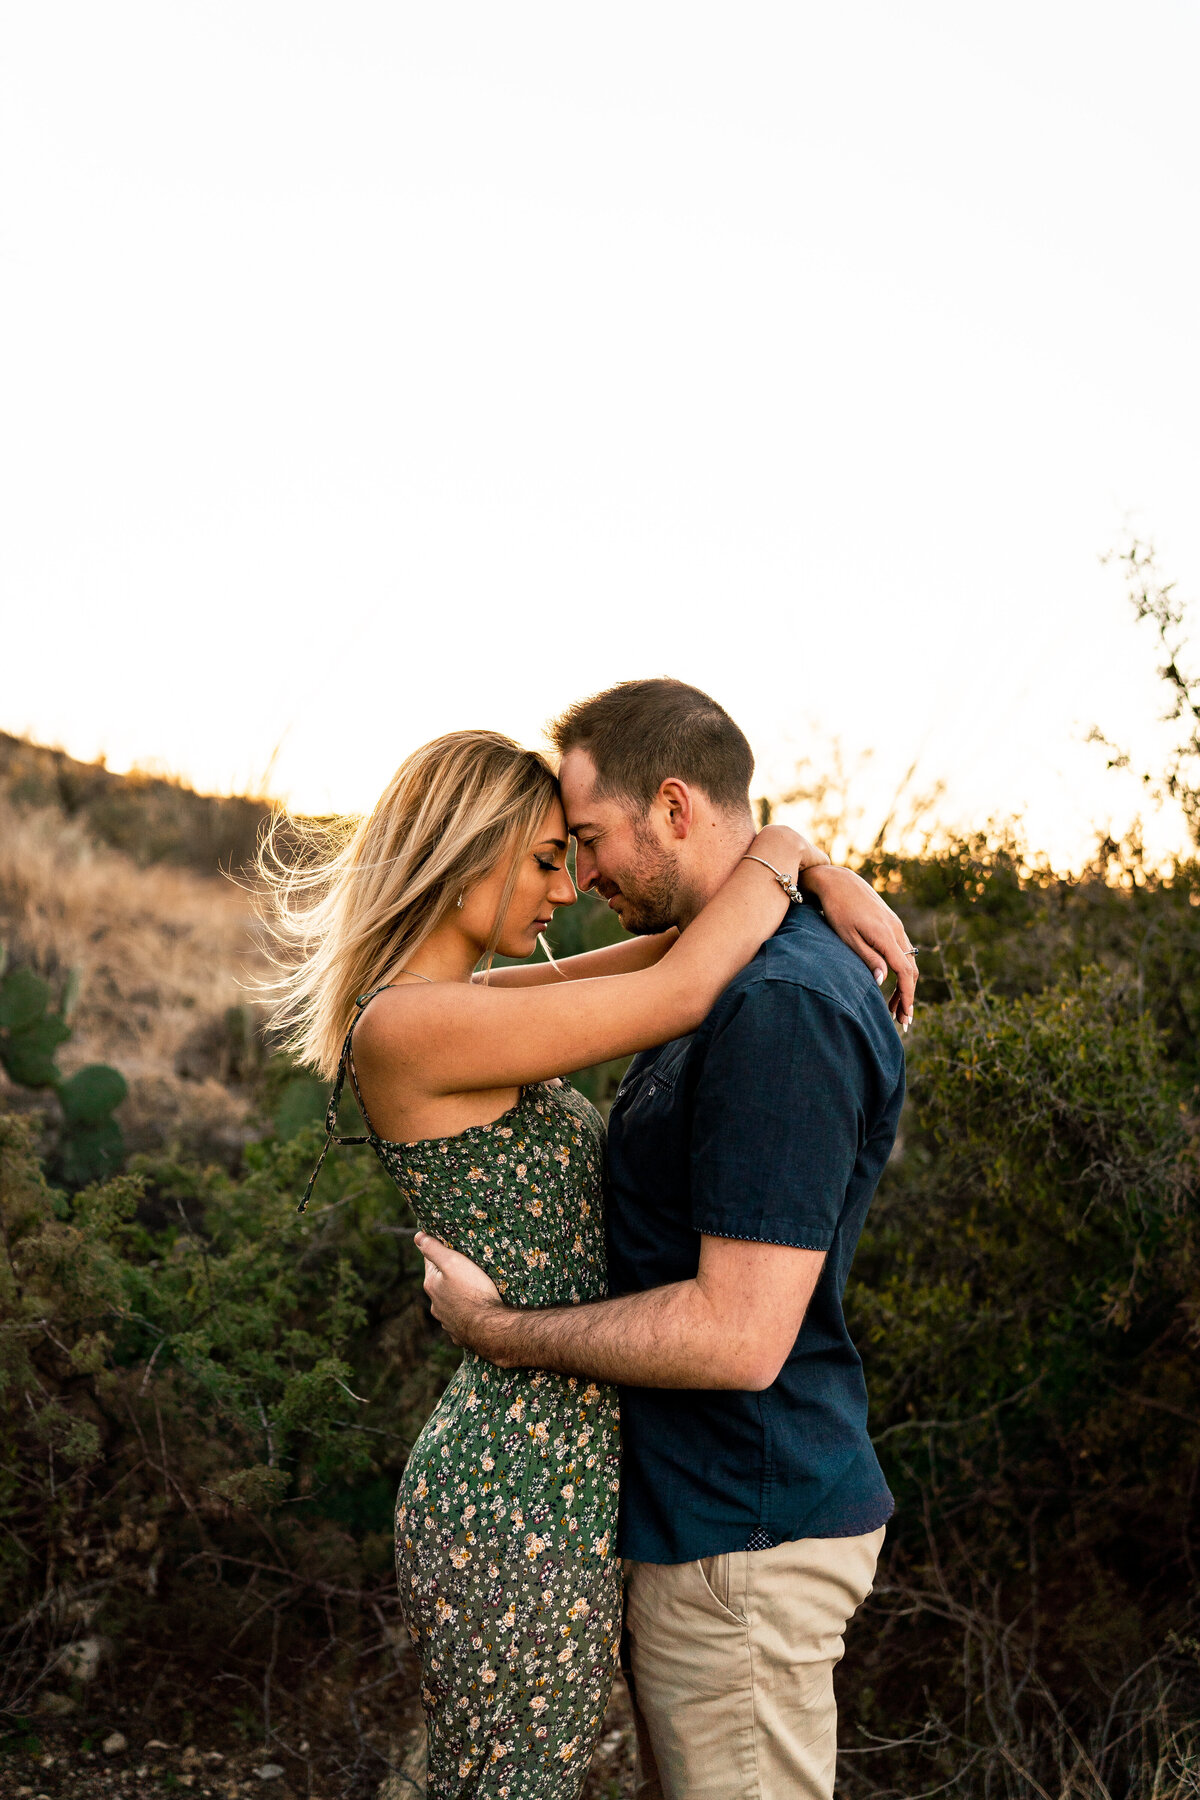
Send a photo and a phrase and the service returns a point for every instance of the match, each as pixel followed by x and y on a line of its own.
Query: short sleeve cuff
pixel 790 1234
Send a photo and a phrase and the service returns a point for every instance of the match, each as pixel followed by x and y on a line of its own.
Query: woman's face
pixel 542 884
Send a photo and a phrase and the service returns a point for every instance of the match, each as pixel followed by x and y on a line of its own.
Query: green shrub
pixel 185 1405
pixel 1027 1294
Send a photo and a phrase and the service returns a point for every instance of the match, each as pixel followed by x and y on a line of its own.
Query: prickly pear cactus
pixel 30 1032
pixel 90 1146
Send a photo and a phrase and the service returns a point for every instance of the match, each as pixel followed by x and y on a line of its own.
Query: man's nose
pixel 585 869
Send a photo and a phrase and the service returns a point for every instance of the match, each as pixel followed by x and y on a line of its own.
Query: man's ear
pixel 678 806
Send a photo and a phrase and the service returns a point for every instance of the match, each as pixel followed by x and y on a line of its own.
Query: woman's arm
pixel 459 1037
pixel 860 916
pixel 612 959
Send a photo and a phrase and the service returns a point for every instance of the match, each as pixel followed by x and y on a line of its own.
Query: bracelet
pixel 789 887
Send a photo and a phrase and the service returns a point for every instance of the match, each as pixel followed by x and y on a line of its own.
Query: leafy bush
pixel 1028 1295
pixel 200 1395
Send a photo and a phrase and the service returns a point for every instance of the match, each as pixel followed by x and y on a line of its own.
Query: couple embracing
pixel 727 1516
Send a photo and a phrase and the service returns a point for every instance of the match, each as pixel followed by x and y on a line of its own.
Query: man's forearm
pixel 668 1338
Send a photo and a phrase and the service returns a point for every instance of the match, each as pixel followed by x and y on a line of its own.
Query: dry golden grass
pixel 160 954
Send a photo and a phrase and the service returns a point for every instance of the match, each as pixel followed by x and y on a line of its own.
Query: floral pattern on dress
pixel 506 1515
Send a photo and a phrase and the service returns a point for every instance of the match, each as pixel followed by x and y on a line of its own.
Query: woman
pixel 505 1519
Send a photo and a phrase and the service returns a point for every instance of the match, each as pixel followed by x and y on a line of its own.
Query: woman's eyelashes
pixel 551 868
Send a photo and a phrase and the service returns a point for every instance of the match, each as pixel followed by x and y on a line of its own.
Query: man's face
pixel 619 853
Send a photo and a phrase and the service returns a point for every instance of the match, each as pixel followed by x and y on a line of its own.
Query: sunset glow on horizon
pixel 384 371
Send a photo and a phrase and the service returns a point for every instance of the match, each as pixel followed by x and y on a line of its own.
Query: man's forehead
pixel 577 778
pixel 593 815
pixel 577 766
pixel 584 807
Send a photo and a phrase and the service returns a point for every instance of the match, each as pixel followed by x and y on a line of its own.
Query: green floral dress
pixel 506 1515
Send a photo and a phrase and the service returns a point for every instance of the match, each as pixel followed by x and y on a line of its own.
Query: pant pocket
pixel 717 1574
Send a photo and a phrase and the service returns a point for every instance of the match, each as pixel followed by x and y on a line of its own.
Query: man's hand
pixel 465 1301
pixel 868 925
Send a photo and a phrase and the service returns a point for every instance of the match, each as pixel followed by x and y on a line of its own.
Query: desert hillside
pixel 123 892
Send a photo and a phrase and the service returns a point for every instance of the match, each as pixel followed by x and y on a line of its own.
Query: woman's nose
pixel 563 892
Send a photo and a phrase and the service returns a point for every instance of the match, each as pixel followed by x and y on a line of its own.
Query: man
pixel 742 1160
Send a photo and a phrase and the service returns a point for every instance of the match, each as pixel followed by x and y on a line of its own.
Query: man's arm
pixel 777 1120
pixel 732 1326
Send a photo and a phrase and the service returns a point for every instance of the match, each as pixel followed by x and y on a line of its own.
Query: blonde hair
pixel 348 902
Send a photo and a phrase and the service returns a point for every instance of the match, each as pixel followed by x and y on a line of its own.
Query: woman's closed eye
pixel 550 867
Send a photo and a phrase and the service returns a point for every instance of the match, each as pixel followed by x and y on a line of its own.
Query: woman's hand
pixel 869 926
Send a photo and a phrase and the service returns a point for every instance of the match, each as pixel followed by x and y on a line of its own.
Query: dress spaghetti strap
pixel 345 1060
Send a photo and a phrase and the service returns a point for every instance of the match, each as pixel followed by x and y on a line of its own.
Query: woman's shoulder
pixel 406 1011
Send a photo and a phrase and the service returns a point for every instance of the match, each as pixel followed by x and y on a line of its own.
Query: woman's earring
pixel 460 899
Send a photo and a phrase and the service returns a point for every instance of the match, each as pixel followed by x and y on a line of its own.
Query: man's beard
pixel 651 893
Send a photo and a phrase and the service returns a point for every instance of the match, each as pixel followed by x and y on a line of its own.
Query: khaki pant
pixel 731 1668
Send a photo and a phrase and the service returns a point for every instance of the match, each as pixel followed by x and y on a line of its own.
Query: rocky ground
pixel 102 1747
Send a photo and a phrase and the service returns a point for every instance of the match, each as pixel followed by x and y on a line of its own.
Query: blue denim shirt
pixel 771 1123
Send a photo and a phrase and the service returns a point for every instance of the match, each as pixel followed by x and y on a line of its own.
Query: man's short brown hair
pixel 640 733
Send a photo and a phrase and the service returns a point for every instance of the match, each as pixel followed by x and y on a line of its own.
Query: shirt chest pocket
pixel 659 1102
pixel 667 1071
pixel 659 1087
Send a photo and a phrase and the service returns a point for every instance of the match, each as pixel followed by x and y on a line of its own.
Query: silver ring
pixel 914 950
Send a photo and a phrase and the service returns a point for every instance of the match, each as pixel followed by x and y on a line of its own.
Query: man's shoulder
pixel 807 972
pixel 806 952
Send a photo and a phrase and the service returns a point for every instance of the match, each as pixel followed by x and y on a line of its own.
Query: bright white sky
pixel 376 369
